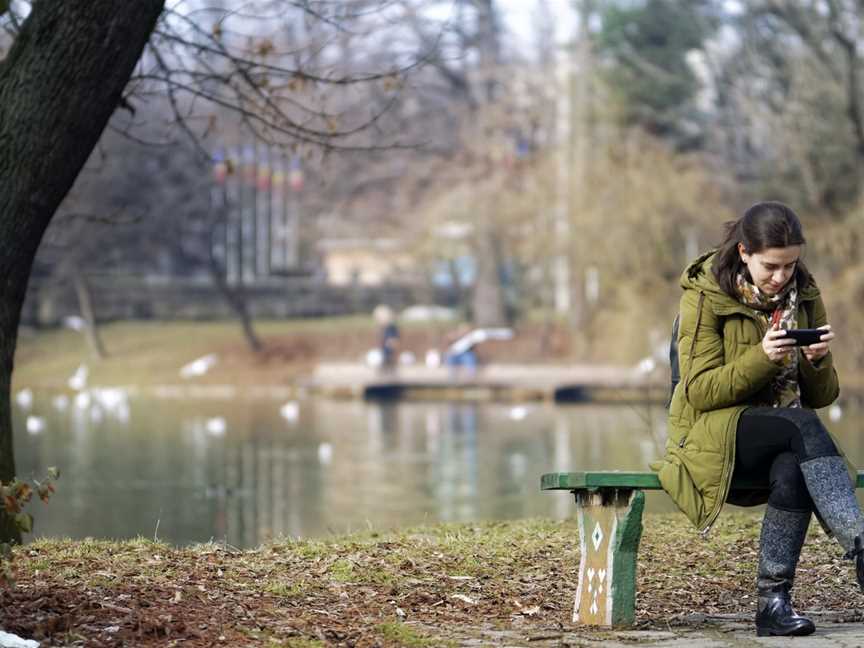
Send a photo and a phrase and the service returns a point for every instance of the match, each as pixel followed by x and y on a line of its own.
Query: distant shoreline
pixel 148 356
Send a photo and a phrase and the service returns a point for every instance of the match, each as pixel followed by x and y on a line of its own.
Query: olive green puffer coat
pixel 723 371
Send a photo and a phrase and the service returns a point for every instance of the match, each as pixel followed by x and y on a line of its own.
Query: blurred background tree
pixel 643 48
pixel 527 145
pixel 556 169
pixel 529 149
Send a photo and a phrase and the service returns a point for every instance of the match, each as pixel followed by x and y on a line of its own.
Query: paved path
pixel 732 634
pixel 737 635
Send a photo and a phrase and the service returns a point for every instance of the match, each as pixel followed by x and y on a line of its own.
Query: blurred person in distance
pixel 389 332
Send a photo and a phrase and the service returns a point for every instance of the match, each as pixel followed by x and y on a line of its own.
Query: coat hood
pixel 699 276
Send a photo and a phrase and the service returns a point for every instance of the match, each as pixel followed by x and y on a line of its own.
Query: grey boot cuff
pixel 834 497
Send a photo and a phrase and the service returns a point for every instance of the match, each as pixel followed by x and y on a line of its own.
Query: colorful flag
pixel 249 165
pixel 220 166
pixel 264 176
pixel 295 174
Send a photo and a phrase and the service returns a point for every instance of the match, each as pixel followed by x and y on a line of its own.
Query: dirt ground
pixel 443 585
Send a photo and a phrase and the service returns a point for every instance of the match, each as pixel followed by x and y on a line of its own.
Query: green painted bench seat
pixel 609 505
pixel 601 479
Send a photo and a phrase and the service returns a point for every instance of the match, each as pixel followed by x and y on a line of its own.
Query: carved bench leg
pixel 610 526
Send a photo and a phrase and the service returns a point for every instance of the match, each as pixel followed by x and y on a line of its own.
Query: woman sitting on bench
pixel 742 414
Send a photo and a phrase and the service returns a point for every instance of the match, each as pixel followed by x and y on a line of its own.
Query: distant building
pixel 366 262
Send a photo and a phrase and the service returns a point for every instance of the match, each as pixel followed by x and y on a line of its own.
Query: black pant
pixel 771 442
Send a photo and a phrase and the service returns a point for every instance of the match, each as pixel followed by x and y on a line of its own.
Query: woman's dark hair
pixel 765 225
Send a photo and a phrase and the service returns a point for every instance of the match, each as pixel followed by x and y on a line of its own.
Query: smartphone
pixel 805 337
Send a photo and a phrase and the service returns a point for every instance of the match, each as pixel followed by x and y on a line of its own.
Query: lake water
pixel 247 470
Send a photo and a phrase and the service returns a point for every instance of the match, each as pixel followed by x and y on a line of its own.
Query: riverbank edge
pixel 501 583
pixel 148 356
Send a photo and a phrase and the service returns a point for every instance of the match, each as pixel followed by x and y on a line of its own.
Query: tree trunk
pixel 488 48
pixel 582 138
pixel 854 110
pixel 9 315
pixel 846 39
pixel 59 85
pixel 488 294
pixel 85 306
pixel 488 302
pixel 237 301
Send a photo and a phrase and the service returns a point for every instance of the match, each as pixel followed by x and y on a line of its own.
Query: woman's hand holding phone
pixel 775 346
pixel 816 352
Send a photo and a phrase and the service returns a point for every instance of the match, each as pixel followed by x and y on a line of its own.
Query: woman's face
pixel 772 268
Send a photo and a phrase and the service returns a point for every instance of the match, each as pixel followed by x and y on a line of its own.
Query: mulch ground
pixel 420 587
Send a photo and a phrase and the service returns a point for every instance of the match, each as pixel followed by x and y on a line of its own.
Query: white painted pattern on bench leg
pixel 597 536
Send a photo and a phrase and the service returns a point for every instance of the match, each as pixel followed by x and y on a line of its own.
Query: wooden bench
pixel 609 507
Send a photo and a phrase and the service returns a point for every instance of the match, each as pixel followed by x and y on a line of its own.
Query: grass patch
pixel 343 571
pixel 403 635
pixel 286 589
pixel 297 643
pixel 310 550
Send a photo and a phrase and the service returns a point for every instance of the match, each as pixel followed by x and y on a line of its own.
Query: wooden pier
pixel 508 383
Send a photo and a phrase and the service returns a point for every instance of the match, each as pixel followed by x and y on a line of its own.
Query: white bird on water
pixel 78 381
pixel 35 424
pixel 198 367
pixel 325 453
pixel 646 366
pixel 60 402
pixel 24 398
pixel 82 400
pixel 216 426
pixel 290 411
pixel 518 413
pixel 114 401
pixel 75 323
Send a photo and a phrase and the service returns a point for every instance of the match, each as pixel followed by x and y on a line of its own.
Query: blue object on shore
pixel 467 359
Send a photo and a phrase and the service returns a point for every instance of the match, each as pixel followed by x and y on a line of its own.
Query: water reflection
pixel 243 472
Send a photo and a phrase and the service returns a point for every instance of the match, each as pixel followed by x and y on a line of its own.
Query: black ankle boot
pixel 775 616
pixel 858 554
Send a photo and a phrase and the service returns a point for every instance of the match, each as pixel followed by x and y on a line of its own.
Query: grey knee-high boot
pixel 780 543
pixel 834 497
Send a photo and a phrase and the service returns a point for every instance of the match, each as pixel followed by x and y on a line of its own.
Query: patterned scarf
pixel 781 308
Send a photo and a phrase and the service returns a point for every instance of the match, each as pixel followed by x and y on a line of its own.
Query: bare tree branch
pixel 306 6
pixel 298 132
pixel 802 25
pixel 432 45
pixel 217 48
